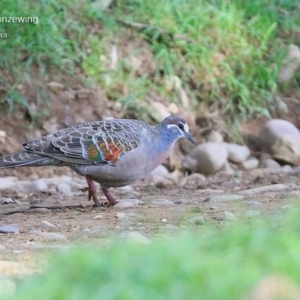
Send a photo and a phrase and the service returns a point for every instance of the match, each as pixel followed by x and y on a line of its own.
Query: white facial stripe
pixel 173 125
pixel 185 126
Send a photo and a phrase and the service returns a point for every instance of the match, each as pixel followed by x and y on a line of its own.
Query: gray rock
pixel 125 189
pixel 127 203
pixel 8 201
pixel 251 163
pixel 120 215
pixel 275 129
pixel 181 201
pixel 237 153
pixel 198 220
pixel 51 235
pixel 193 181
pixel 215 137
pixel 252 213
pixel 264 189
pixel 290 64
pixel 253 203
pixel 137 238
pixel 287 149
pixel 207 159
pixel 229 216
pixel 270 164
pixel 9 229
pixel 46 224
pixel 8 182
pixel 287 169
pixel 37 186
pixel 159 174
pixel 64 188
pixel 162 202
pixel 225 198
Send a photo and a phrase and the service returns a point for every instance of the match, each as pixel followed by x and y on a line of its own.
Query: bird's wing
pixel 101 142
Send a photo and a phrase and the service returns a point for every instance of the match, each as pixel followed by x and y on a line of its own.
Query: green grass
pixel 211 263
pixel 226 54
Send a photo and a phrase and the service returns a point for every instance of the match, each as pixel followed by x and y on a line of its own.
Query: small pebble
pixel 164 220
pixel 98 217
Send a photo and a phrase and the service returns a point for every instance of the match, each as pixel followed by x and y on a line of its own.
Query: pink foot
pixel 109 196
pixel 92 190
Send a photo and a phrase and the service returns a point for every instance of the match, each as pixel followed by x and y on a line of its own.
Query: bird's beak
pixel 188 136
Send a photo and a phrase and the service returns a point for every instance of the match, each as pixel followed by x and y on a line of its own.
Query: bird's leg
pixel 109 196
pixel 92 190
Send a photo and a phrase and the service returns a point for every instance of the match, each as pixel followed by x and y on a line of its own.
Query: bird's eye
pixel 180 125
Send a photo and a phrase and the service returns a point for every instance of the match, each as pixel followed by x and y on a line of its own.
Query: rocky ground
pixel 42 213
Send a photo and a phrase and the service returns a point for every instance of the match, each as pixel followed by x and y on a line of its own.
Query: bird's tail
pixel 23 158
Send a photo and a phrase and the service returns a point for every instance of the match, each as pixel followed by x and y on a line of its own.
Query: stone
pixel 224 198
pixel 46 224
pixel 8 201
pixel 127 203
pixel 51 235
pixel 8 182
pixel 181 201
pixel 162 202
pixel 120 215
pixel 37 186
pixel 251 163
pixel 264 189
pixel 290 64
pixel 198 220
pixel 270 164
pixel 159 174
pixel 9 229
pixel 275 129
pixel 98 217
pixel 287 149
pixel 193 181
pixel 137 238
pixel 207 159
pixel 252 213
pixel 164 220
pixel 287 169
pixel 64 188
pixel 253 203
pixel 125 189
pixel 215 137
pixel 237 153
pixel 229 216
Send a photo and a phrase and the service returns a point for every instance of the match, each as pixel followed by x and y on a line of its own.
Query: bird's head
pixel 176 127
